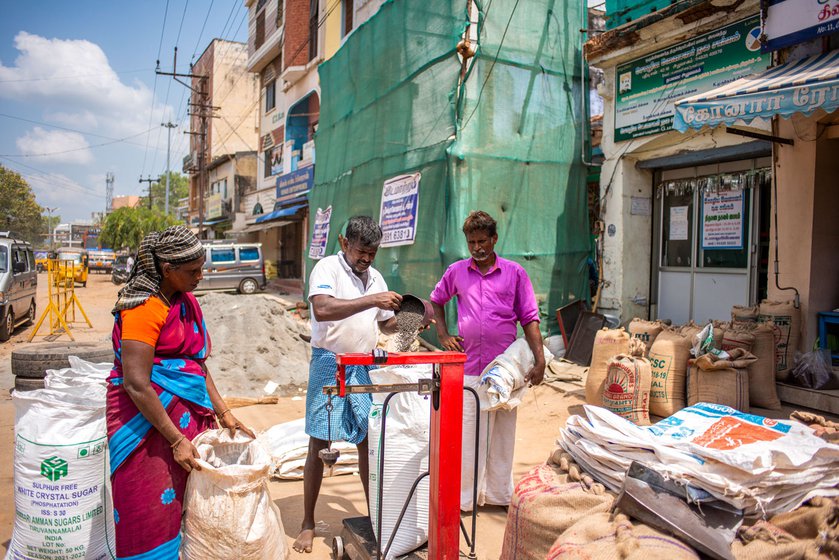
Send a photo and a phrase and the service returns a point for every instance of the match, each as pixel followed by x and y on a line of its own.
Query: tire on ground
pixel 27 384
pixel 32 361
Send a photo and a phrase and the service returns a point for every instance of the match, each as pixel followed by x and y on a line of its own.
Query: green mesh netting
pixel 506 142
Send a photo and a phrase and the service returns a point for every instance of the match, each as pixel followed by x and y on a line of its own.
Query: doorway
pixel 708 248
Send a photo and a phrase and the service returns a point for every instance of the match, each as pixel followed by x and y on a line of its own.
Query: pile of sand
pixel 255 340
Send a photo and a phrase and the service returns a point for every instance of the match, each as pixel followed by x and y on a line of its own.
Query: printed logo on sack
pixel 54 468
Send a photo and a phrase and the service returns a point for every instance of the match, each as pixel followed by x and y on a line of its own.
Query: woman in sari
pixel 160 394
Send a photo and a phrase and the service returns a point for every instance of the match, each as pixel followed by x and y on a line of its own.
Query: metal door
pixel 706 241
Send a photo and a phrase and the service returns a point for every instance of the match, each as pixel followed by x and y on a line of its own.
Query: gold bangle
pixel 178 441
pixel 220 414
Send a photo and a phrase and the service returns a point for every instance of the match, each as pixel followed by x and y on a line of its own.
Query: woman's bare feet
pixel 303 543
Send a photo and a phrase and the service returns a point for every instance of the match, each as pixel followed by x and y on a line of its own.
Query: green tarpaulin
pixel 506 140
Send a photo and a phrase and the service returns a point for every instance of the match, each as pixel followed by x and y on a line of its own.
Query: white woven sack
pixel 60 475
pixel 229 514
pixel 288 446
pixel 405 458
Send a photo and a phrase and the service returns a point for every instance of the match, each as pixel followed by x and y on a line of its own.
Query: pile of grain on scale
pixel 254 341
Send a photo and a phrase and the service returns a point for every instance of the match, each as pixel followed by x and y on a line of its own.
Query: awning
pixel 215 221
pixel 259 227
pixel 802 86
pixel 277 214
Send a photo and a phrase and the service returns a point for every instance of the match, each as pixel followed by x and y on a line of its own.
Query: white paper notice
pixel 679 223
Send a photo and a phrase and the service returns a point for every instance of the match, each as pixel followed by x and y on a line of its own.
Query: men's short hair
pixel 363 230
pixel 480 221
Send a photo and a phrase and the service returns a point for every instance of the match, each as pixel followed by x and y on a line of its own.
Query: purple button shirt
pixel 488 307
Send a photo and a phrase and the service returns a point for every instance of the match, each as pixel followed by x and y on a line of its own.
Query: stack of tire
pixel 30 363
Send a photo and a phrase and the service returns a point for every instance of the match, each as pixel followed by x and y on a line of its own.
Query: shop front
pixel 684 215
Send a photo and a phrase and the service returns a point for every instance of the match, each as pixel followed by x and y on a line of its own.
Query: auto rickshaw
pixel 80 263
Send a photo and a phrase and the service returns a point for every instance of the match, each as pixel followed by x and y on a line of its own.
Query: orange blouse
pixel 144 322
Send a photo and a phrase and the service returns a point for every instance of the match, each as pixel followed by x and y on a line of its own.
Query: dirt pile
pixel 255 340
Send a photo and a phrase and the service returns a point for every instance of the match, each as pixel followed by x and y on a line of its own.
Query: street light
pixel 49 222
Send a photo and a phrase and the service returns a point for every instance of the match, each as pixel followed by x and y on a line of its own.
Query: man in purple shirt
pixel 493 295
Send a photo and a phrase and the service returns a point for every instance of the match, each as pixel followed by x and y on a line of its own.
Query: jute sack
pixel 810 531
pixel 645 331
pixel 607 343
pixel 762 391
pixel 627 388
pixel 689 330
pixel 605 536
pixel 718 381
pixel 547 501
pixel 787 325
pixel 744 314
pixel 668 362
pixel 736 336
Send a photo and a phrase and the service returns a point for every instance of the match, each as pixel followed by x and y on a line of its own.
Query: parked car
pixel 234 266
pixel 101 260
pixel 18 284
pixel 78 267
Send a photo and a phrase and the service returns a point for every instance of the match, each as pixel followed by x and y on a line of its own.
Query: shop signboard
pixel 722 220
pixel 214 206
pixel 789 22
pixel 398 215
pixel 320 233
pixel 295 184
pixel 648 87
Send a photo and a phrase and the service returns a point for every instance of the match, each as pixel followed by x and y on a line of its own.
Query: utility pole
pixel 148 180
pixel 170 126
pixel 203 111
pixel 49 223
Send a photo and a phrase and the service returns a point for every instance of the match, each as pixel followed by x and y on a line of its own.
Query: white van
pixel 18 284
pixel 234 266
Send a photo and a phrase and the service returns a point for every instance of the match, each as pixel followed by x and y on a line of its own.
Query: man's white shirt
pixel 332 276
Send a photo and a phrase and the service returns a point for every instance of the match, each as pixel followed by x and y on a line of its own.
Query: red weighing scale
pixel 357 540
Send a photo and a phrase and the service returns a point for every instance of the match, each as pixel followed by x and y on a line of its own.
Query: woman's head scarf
pixel 175 245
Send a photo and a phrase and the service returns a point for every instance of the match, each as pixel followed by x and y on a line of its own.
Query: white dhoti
pixel 495 452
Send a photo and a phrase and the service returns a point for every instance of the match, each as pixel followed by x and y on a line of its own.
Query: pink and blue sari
pixel 148 485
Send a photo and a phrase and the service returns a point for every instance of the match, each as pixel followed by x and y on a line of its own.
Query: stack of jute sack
pixel 732 363
pixel 760 465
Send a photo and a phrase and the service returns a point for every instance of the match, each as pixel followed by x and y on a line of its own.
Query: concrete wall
pixel 808 221
pixel 236 92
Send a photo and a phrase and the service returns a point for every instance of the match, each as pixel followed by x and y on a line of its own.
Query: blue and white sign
pixel 295 184
pixel 789 22
pixel 398 216
pixel 801 86
pixel 320 233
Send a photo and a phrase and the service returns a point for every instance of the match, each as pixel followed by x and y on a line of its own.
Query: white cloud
pixel 73 80
pixel 72 199
pixel 57 146
pixel 84 120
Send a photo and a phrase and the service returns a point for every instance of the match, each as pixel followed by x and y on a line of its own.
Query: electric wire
pixel 54 78
pixel 116 141
pixel 68 129
pixel 52 177
pixel 201 33
pixel 154 87
pixel 494 61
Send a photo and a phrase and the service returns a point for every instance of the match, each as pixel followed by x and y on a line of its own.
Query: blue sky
pixel 78 94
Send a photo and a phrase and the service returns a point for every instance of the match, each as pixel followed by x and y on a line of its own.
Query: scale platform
pixel 358 542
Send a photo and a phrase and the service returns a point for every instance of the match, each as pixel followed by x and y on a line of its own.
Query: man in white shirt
pixel 349 303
